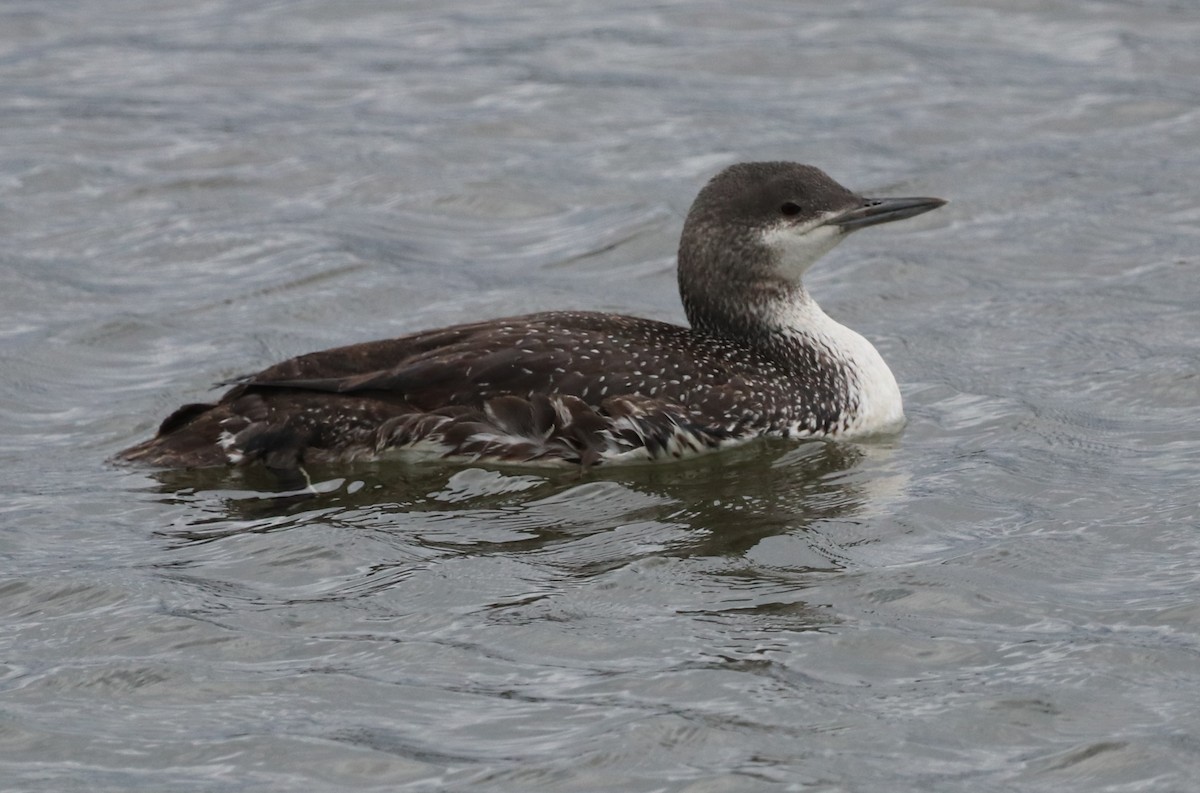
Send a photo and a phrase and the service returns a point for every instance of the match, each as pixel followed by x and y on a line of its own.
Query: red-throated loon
pixel 760 359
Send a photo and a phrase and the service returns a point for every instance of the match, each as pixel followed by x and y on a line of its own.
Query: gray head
pixel 756 228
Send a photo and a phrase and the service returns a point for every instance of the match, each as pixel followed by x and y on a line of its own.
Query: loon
pixel 584 388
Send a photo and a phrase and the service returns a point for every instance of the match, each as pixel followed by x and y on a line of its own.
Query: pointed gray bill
pixel 884 210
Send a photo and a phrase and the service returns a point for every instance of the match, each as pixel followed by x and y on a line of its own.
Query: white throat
pixel 794 247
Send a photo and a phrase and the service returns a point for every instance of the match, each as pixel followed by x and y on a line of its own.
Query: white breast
pixel 874 403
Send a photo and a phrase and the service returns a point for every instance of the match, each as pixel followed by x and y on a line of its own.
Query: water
pixel 1002 598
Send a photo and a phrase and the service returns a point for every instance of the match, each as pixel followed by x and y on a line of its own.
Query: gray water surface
pixel 1005 597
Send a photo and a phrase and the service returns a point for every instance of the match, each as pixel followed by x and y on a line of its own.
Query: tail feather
pixel 186 438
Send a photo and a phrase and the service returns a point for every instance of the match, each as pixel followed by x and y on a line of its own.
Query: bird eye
pixel 790 208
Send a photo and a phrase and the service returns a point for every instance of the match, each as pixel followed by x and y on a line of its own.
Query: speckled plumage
pixel 583 387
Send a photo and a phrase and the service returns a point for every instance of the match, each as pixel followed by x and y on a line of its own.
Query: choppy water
pixel 1007 597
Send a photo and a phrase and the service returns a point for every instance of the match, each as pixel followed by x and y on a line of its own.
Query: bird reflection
pixel 717 505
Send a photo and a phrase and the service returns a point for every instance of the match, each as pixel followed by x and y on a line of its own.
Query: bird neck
pixel 784 323
pixel 766 313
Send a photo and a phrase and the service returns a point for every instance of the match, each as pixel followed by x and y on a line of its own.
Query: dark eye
pixel 790 208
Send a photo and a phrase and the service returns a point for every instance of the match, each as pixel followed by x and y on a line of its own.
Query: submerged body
pixel 761 359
